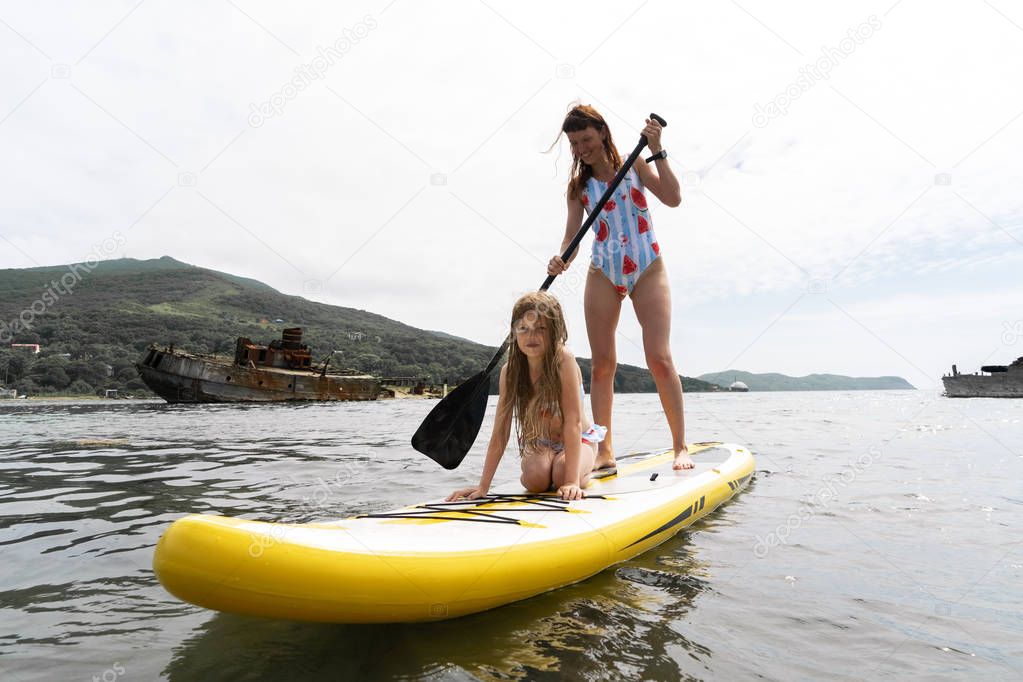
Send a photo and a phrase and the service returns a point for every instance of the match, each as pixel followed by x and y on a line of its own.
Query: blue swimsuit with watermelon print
pixel 624 244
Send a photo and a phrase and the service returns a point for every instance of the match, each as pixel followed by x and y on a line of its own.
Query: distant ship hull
pixel 994 381
pixel 180 377
pixel 982 386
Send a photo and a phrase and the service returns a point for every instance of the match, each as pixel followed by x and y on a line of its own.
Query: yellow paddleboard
pixel 443 559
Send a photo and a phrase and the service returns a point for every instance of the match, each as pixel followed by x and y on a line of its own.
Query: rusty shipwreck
pixel 993 381
pixel 280 371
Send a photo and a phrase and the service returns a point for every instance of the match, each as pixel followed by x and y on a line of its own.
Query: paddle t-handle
pixel 629 161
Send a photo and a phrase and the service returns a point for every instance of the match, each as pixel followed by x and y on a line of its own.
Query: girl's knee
pixel 536 471
pixel 535 483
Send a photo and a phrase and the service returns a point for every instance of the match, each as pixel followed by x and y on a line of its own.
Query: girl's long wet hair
pixel 533 406
pixel 581 117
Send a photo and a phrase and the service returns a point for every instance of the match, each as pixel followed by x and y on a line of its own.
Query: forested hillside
pixel 91 335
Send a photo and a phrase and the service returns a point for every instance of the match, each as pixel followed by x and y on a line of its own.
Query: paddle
pixel 450 429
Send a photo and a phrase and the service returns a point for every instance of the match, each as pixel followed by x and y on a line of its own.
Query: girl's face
pixel 532 334
pixel 587 145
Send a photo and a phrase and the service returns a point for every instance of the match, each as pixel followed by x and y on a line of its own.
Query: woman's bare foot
pixel 605 458
pixel 683 460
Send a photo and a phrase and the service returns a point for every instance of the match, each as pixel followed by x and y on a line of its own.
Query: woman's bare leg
pixel 603 305
pixel 651 297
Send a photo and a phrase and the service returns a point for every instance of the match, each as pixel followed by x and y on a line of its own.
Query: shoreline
pixel 53 398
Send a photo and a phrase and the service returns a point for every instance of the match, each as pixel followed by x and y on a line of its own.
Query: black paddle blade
pixel 450 429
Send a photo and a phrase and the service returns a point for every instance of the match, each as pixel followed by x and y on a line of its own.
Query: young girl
pixel 541 387
pixel 625 261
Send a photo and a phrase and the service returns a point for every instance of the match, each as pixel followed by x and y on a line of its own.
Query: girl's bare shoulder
pixel 567 360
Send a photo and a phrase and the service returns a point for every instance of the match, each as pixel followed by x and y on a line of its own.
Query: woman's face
pixel 587 145
pixel 532 334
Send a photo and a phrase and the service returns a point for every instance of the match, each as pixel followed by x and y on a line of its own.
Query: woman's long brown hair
pixel 581 117
pixel 534 405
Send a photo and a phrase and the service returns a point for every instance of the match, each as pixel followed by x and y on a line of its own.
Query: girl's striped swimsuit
pixel 624 244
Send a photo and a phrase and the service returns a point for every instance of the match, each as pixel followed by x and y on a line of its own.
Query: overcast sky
pixel 851 197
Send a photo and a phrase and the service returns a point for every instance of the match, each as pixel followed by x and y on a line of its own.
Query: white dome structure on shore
pixel 738 386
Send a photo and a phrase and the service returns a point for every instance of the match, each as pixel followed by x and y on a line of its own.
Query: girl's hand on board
pixel 556 266
pixel 571 492
pixel 653 135
pixel 468 493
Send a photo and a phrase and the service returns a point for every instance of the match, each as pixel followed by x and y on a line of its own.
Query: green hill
pixel 811 382
pixel 91 336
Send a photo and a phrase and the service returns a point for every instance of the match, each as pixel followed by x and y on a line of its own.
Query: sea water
pixel 880 537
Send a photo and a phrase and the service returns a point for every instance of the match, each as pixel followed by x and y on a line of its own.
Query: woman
pixel 625 261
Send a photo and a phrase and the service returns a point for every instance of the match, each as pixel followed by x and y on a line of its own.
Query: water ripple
pixel 905 566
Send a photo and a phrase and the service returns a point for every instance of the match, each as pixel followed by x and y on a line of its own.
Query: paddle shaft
pixel 594 212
